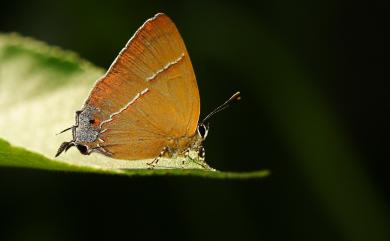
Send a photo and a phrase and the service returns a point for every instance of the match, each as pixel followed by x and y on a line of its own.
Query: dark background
pixel 313 111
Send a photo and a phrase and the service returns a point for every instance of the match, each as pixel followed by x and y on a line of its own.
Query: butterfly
pixel 147 104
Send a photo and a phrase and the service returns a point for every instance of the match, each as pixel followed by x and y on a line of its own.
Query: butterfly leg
pixel 201 153
pixel 186 155
pixel 153 163
pixel 198 158
pixel 202 157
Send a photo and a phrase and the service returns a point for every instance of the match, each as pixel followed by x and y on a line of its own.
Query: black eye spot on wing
pixel 92 121
pixel 83 149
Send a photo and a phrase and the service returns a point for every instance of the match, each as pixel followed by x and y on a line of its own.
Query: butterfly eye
pixel 202 131
pixel 93 121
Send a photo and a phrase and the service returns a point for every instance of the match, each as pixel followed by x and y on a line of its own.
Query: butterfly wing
pixel 149 96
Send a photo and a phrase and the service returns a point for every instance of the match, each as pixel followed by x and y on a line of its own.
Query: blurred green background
pixel 313 111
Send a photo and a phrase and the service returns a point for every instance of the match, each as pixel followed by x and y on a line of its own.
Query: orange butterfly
pixel 147 104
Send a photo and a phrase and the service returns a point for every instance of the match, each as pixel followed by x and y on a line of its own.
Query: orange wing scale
pixel 149 96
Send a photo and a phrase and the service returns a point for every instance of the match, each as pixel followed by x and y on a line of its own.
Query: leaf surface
pixel 41 87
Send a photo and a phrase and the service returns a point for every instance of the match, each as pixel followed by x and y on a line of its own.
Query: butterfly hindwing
pixel 149 95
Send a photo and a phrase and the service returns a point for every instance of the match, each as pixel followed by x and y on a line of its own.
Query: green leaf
pixel 41 87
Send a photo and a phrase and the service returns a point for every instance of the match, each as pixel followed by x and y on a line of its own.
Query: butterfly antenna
pixel 236 97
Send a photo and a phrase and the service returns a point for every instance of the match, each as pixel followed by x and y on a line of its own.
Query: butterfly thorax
pixel 186 147
pixel 192 146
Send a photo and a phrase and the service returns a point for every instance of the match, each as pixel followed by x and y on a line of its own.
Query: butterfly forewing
pixel 149 95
